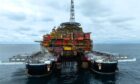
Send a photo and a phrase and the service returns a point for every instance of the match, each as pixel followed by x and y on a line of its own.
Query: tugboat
pixel 68 48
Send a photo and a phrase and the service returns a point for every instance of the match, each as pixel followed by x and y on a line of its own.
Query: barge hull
pixel 104 68
pixel 38 69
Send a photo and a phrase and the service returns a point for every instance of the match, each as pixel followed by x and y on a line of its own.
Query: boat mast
pixel 72 13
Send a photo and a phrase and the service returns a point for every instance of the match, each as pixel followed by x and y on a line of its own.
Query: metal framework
pixel 72 12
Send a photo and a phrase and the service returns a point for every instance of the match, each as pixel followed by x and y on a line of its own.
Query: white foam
pixel 127 60
pixel 11 63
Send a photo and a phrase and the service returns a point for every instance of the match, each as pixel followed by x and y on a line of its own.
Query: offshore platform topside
pixel 68 46
pixel 67 41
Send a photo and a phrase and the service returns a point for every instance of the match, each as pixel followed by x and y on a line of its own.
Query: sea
pixel 129 72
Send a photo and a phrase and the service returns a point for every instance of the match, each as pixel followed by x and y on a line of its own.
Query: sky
pixel 110 21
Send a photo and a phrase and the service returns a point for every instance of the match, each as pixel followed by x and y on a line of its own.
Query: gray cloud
pixel 124 26
pixel 24 29
pixel 122 22
pixel 15 16
pixel 121 19
pixel 59 5
pixel 63 5
pixel 43 31
pixel 34 35
pixel 93 8
pixel 47 19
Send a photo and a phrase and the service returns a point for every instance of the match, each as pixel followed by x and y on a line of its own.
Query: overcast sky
pixel 110 21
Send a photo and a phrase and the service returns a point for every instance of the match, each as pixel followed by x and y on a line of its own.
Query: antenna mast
pixel 72 13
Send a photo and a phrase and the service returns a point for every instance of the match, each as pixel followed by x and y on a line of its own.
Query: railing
pixel 109 56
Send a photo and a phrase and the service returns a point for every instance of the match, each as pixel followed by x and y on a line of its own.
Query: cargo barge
pixel 68 44
pixel 68 49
